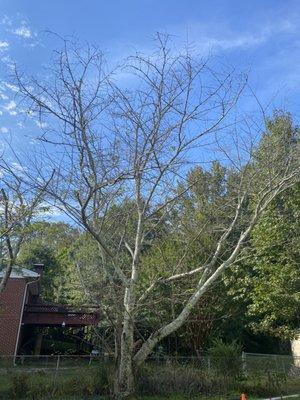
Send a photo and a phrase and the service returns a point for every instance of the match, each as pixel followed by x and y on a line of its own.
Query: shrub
pixel 270 384
pixel 91 381
pixel 226 358
pixel 20 385
pixel 176 379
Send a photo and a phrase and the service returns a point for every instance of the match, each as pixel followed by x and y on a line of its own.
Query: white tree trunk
pixel 125 374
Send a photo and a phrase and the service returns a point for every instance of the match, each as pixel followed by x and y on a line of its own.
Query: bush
pixel 167 380
pixel 96 382
pixel 176 379
pixel 271 384
pixel 87 382
pixel 226 358
pixel 20 385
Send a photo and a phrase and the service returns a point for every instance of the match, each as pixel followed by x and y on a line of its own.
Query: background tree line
pixel 259 307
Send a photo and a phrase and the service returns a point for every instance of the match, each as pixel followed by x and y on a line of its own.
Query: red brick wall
pixel 11 303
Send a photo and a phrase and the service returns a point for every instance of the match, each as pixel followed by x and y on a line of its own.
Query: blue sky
pixel 262 37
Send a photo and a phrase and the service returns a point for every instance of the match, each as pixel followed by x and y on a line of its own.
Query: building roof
pixel 20 272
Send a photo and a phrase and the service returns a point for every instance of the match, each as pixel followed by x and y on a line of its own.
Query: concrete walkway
pixel 283 397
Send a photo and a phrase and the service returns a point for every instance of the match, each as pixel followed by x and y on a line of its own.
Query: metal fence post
pixel 57 362
pixel 55 374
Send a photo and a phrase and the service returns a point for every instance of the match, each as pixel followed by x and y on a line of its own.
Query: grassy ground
pixel 168 398
pixel 85 383
pixel 199 398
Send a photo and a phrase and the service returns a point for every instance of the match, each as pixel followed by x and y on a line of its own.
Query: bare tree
pixel 122 141
pixel 19 204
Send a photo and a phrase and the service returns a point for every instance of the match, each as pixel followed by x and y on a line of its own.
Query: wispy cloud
pixel 207 44
pixel 23 31
pixel 210 37
pixel 4 45
pixel 6 20
pixel 42 125
pixel 10 86
pixel 207 38
pixel 10 106
pixel 3 129
pixel 17 167
pixel 8 61
pixel 50 210
pixel 17 27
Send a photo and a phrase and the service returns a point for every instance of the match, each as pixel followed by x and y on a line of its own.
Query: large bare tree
pixel 120 143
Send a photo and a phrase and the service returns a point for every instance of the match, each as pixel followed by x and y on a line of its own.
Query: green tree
pixel 50 243
pixel 275 295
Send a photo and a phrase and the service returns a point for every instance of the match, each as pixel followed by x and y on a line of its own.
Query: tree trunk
pixel 125 375
pixel 125 378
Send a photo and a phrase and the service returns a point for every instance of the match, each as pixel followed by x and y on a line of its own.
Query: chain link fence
pixel 64 376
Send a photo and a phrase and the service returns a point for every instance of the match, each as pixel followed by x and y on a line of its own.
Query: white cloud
pixel 8 61
pixel 3 96
pixel 50 210
pixel 4 45
pixel 40 124
pixel 23 31
pixel 3 129
pixel 206 38
pixel 6 20
pixel 245 40
pixel 15 166
pixel 14 88
pixel 20 28
pixel 10 106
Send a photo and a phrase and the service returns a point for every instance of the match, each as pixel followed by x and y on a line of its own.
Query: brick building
pixel 22 306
